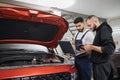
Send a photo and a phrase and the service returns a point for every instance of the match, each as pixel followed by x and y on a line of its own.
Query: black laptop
pixel 66 47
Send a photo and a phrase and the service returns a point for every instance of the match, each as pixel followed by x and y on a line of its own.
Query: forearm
pixel 97 48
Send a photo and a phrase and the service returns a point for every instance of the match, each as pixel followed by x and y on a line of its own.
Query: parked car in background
pixel 27 42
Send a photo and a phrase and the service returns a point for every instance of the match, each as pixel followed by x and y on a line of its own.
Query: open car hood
pixel 18 25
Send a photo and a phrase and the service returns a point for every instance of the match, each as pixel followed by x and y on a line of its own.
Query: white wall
pixel 115 24
pixel 68 36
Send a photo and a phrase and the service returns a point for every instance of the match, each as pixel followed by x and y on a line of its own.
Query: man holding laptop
pixel 81 38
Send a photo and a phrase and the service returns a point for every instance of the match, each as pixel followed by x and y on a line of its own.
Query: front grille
pixel 56 76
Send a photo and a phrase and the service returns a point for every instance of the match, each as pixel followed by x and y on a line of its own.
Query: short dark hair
pixel 78 19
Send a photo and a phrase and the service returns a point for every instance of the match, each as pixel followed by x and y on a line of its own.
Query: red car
pixel 27 42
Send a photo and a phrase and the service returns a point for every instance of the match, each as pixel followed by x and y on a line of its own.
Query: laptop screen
pixel 66 47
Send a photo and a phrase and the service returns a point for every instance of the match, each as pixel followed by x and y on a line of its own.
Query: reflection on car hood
pixel 29 47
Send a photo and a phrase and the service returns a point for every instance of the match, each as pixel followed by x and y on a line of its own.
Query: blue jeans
pixel 84 67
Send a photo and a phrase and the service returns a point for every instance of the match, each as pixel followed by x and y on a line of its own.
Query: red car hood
pixel 18 25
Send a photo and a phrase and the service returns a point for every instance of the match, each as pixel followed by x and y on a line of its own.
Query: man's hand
pixel 88 48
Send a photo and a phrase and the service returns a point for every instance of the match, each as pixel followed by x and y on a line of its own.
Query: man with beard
pixel 83 37
pixel 102 48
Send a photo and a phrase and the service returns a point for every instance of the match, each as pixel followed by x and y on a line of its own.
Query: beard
pixel 94 28
pixel 81 30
